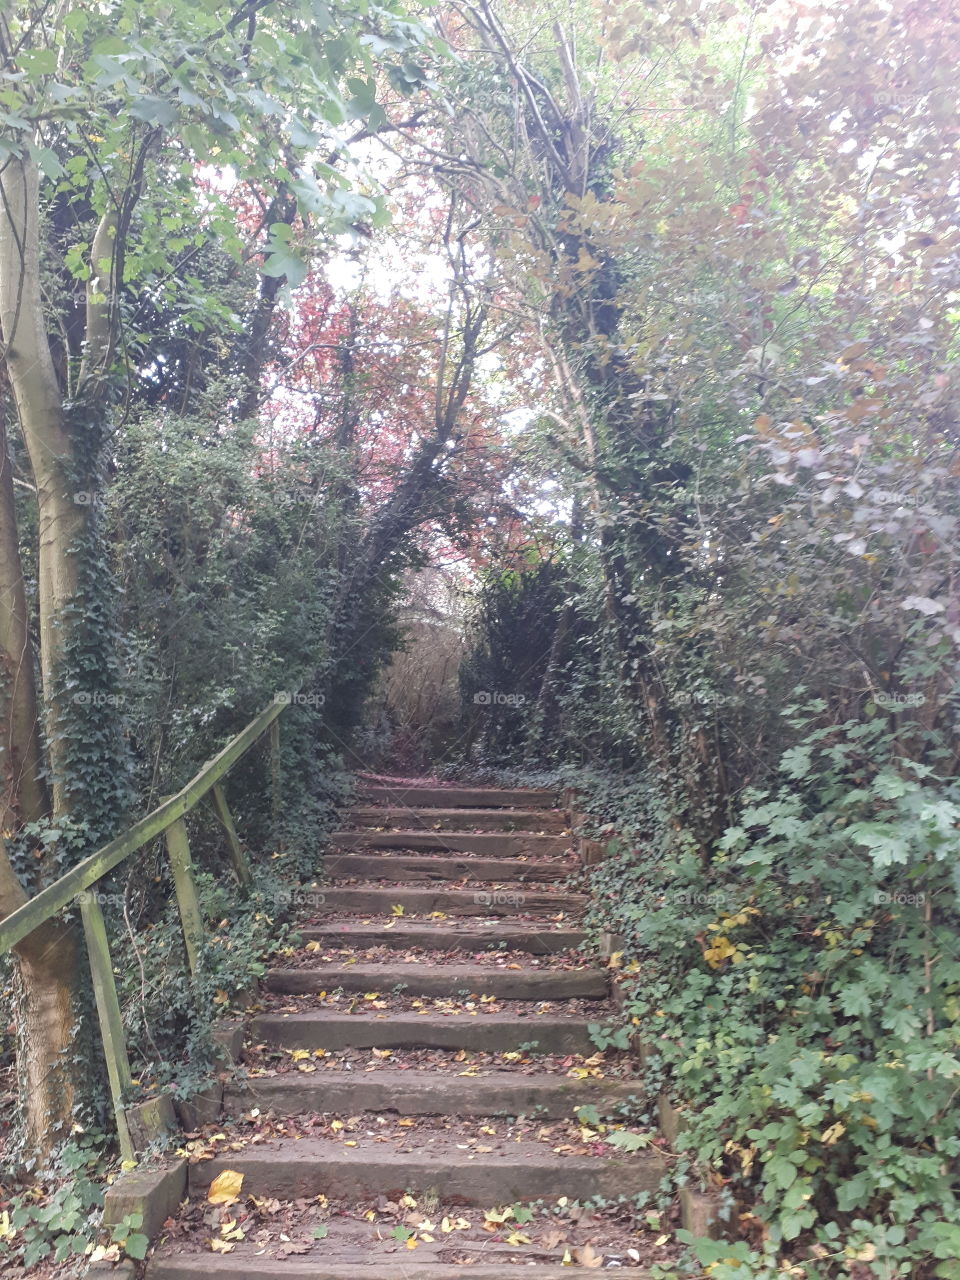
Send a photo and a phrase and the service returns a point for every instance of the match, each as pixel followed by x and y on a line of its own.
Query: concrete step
pixel 503 900
pixel 548 821
pixel 428 1093
pixel 199 1266
pixel 493 844
pixel 494 1032
pixel 458 797
pixel 401 866
pixel 527 1171
pixel 495 935
pixel 445 980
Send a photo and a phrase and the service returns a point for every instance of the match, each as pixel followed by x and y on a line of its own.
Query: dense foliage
pixel 648 323
pixel 750 670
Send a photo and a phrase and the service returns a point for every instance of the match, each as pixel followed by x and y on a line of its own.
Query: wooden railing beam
pixel 58 896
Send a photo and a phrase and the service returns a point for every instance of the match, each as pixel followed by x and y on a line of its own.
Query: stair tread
pixel 192 1266
pixel 544 937
pixel 428 797
pixel 474 973
pixel 439 1149
pixel 427 1091
pixel 389 893
pixel 437 814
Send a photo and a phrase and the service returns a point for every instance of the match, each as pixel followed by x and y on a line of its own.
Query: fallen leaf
pixel 225 1188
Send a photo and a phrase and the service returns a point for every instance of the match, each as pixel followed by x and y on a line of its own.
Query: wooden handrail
pixel 55 897
pixel 166 819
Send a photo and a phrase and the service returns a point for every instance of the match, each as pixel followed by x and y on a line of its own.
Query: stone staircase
pixel 436 906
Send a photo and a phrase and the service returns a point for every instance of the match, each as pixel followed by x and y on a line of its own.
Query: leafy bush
pixel 58 1215
pixel 802 988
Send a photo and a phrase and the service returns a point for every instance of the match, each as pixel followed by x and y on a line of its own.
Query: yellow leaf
pixel 397 910
pixel 495 1216
pixel 865 1254
pixel 312 946
pixel 830 1136
pixel 616 960
pixel 225 1188
pixel 412 1242
pixel 221 1246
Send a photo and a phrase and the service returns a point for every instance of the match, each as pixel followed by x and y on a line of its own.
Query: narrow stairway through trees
pixel 434 1030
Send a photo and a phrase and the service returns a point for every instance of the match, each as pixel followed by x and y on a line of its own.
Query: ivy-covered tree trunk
pixel 47 958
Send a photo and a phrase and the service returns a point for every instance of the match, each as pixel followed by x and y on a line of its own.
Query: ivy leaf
pixel 855 1001
pixel 885 844
pixel 890 785
pixel 795 763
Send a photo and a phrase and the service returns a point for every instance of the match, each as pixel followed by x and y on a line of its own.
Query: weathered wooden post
pixel 178 849
pixel 275 767
pixel 108 1012
pixel 239 859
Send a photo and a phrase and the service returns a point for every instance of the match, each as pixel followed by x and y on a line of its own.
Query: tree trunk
pixel 63 505
pixel 23 797
pixel 47 960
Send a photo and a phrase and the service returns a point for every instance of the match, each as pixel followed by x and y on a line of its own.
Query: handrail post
pixel 239 859
pixel 108 1012
pixel 191 917
pixel 275 768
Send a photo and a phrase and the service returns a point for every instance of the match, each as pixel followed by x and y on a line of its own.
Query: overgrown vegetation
pixel 648 322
